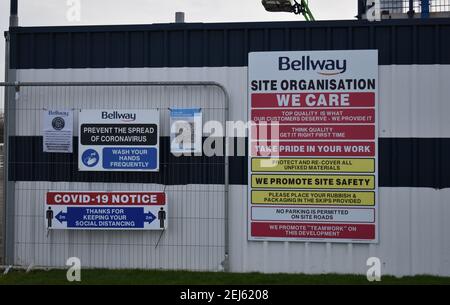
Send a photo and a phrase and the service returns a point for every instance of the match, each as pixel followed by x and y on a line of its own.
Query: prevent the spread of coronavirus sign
pixel 313 173
pixel 118 140
pixel 106 210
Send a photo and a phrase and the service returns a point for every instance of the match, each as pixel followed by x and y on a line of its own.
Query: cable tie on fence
pixel 162 232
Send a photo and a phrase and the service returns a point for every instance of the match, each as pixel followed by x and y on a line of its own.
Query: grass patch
pixel 144 277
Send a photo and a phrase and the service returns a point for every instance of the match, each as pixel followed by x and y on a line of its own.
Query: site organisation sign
pixel 106 210
pixel 313 146
pixel 118 140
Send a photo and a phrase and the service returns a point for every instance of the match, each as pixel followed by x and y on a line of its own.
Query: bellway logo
pixel 326 67
pixel 56 112
pixel 115 115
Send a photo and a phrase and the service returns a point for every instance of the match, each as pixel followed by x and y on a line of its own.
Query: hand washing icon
pixel 90 158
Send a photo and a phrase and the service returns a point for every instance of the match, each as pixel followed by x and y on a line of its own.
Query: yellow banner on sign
pixel 314 181
pixel 313 198
pixel 313 165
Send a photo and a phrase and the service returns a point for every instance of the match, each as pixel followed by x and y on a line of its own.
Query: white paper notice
pixel 186 131
pixel 57 131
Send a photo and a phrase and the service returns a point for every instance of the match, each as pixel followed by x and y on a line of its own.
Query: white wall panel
pixel 409 94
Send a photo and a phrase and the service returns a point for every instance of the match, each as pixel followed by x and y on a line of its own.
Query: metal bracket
pixel 225 263
pixel 7 269
pixel 30 267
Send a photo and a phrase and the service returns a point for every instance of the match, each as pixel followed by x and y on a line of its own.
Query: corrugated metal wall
pixel 414 134
pixel 401 42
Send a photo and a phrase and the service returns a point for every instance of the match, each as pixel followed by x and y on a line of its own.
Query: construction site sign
pixel 313 173
pixel 106 210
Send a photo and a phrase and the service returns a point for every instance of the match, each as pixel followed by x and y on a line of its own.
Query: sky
pixel 54 13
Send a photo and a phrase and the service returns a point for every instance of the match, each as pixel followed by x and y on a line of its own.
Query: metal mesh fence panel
pixel 403 6
pixel 195 185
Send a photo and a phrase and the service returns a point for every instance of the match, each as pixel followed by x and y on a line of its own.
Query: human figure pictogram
pixel 161 217
pixel 49 216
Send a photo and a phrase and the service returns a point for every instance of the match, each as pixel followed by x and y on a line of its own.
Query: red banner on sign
pixel 310 100
pixel 314 116
pixel 106 198
pixel 308 132
pixel 313 230
pixel 330 149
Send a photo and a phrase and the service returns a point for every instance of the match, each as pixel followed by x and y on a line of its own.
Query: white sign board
pixel 57 131
pixel 313 173
pixel 118 140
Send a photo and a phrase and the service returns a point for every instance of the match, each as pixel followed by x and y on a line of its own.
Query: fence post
pixel 411 9
pixel 425 9
pixel 361 9
pixel 8 186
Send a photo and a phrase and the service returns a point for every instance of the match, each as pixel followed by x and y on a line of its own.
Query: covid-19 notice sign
pixel 106 210
pixel 313 173
pixel 118 140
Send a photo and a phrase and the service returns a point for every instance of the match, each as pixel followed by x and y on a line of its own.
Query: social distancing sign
pixel 313 146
